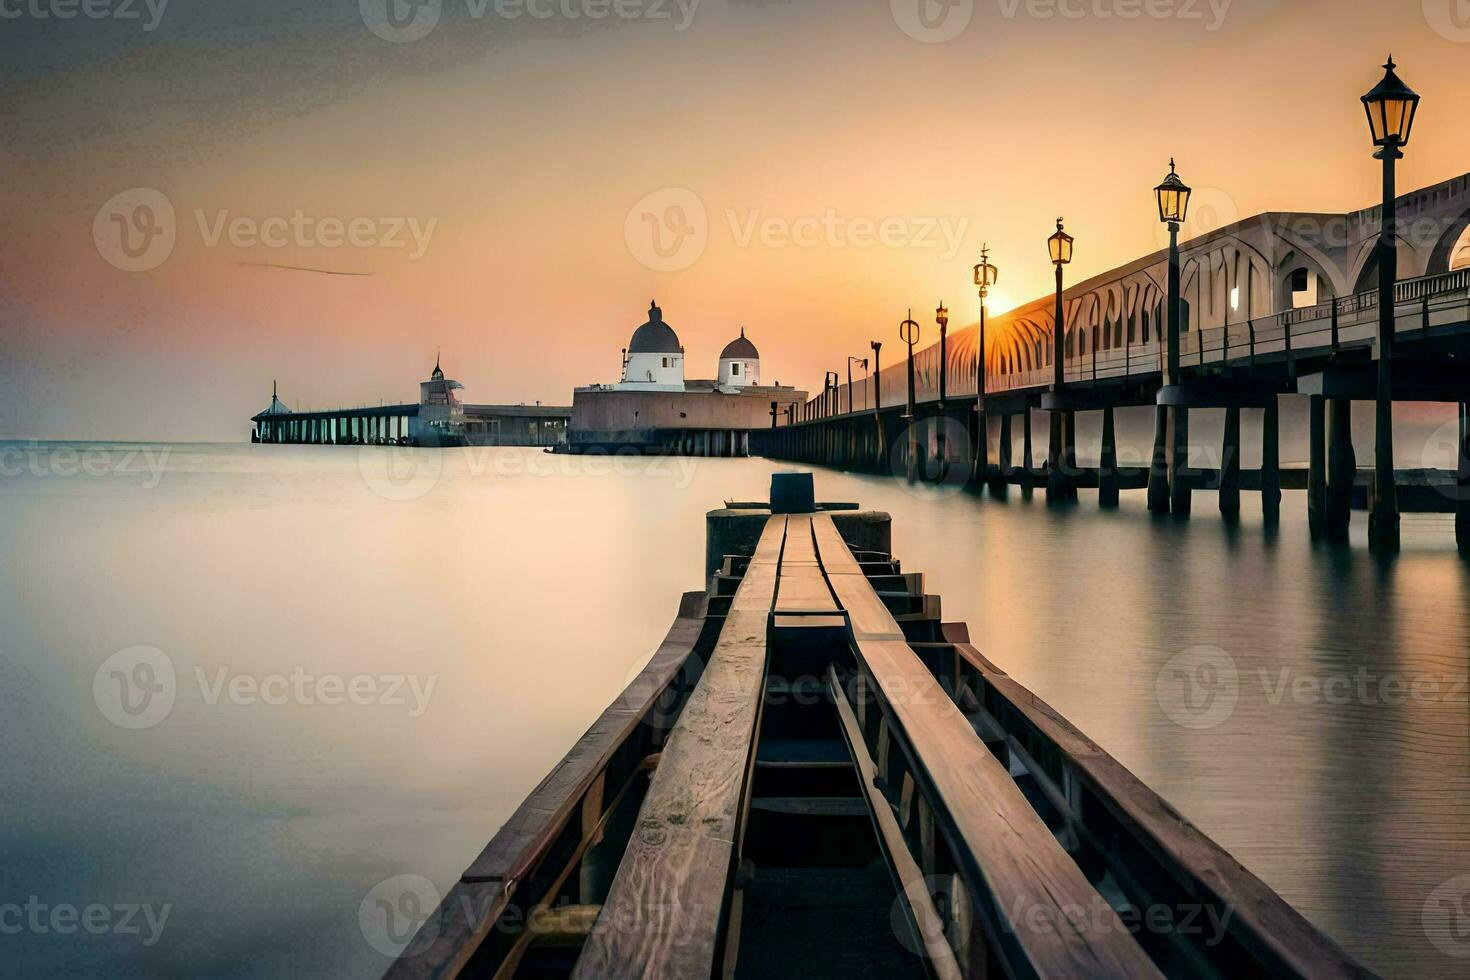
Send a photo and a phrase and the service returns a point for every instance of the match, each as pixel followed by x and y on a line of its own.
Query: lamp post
pixel 985 277
pixel 877 377
pixel 834 405
pixel 1391 108
pixel 1166 485
pixel 1058 484
pixel 864 362
pixel 941 317
pixel 908 332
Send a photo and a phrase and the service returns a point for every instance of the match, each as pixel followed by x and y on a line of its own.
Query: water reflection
pixel 528 589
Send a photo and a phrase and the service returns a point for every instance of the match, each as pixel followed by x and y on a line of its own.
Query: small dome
pixel 741 348
pixel 655 336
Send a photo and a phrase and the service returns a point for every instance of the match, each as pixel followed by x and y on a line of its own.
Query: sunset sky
pixel 834 163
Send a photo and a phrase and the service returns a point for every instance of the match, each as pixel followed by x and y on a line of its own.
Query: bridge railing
pixel 1420 302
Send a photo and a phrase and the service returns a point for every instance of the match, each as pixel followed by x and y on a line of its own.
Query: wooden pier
pixel 817 776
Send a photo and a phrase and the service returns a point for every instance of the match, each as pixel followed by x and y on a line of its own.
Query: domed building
pixel 655 409
pixel 740 363
pixel 654 360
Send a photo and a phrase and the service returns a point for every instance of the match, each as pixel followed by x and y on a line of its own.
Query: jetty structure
pixel 1272 309
pixel 653 409
pixel 441 417
pixel 817 776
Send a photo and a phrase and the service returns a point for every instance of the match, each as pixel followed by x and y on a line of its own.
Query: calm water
pixel 369 670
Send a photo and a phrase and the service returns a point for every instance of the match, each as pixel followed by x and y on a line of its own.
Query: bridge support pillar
pixel 1107 472
pixel 1342 468
pixel 1317 467
pixel 1230 464
pixel 982 444
pixel 1158 469
pixel 1271 461
pixel 1181 496
pixel 1462 502
pixel 1005 463
pixel 1028 459
pixel 1061 456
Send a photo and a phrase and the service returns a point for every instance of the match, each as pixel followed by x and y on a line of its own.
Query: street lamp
pixel 941 316
pixel 908 332
pixel 864 362
pixel 833 400
pixel 877 375
pixel 1058 487
pixel 985 277
pixel 1166 484
pixel 1391 108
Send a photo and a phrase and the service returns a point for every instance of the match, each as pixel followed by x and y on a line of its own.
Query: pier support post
pixel 1107 473
pixel 1317 467
pixel 1230 464
pixel 1158 469
pixel 1462 502
pixel 1271 461
pixel 1028 460
pixel 1007 456
pixel 1342 468
pixel 1056 458
pixel 982 444
pixel 1181 498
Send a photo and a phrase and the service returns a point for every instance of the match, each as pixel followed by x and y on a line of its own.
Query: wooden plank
pixel 928 923
pixel 1260 918
pixel 1023 874
pixel 665 912
pixel 869 616
pixel 540 818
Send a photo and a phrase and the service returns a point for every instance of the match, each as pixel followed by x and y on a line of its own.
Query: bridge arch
pixel 1452 251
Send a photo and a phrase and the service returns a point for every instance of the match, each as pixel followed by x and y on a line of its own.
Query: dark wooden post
pixel 1007 457
pixel 1462 504
pixel 1027 461
pixel 1317 471
pixel 1342 467
pixel 1107 474
pixel 1158 470
pixel 1230 464
pixel 1181 497
pixel 1271 461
